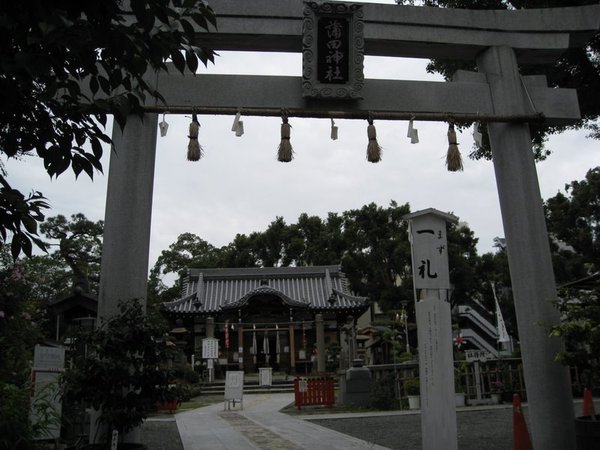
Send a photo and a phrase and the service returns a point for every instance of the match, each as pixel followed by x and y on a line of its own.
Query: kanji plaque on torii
pixel 430 248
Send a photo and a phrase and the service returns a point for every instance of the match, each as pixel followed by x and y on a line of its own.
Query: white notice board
pixel 210 348
pixel 234 384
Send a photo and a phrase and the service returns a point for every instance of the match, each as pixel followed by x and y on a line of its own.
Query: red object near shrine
pixel 521 439
pixel 168 406
pixel 314 391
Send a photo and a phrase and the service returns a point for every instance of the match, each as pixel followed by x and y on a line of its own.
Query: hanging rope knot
pixel 195 150
pixel 453 158
pixel 373 148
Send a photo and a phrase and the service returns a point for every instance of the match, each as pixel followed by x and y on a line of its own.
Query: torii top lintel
pixel 536 36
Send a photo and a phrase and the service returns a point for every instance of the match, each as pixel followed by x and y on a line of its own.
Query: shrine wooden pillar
pixel 292 348
pixel 241 346
pixel 320 338
pixel 210 327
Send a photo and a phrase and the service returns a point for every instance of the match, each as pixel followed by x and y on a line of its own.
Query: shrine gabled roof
pixel 210 291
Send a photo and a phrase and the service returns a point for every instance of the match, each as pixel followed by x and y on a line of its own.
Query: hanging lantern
pixel 195 151
pixel 453 158
pixel 373 148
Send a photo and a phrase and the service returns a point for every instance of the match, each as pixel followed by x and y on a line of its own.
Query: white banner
pixel 502 333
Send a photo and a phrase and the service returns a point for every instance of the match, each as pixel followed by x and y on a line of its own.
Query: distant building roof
pixel 210 291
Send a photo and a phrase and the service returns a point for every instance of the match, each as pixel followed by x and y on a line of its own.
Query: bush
pixel 383 395
pixel 191 376
pixel 128 372
pixel 412 386
pixel 17 431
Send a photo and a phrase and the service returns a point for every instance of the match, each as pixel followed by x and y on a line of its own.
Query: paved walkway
pixel 259 425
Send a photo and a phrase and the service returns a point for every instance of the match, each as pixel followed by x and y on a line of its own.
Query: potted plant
pixel 123 374
pixel 580 331
pixel 412 390
pixel 496 389
pixel 460 372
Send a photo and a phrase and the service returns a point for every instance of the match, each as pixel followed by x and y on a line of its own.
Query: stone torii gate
pixel 497 95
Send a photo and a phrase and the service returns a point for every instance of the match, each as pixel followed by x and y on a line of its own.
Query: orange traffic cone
pixel 588 404
pixel 521 439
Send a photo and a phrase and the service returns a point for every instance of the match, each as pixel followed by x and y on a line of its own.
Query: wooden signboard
pixel 48 363
pixel 332 51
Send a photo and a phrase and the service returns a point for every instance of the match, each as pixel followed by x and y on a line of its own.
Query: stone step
pixel 249 389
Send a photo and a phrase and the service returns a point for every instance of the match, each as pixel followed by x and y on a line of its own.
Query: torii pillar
pixel 529 258
pixel 126 242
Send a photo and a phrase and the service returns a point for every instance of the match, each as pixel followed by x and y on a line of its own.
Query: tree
pixel 370 243
pixel 377 259
pixel 188 251
pixel 574 219
pixel 578 68
pixel 79 247
pixel 462 262
pixel 65 66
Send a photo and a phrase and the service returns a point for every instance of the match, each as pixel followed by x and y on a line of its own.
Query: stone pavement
pixel 260 425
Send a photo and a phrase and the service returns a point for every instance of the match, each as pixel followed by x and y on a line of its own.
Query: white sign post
pixel 234 388
pixel 48 363
pixel 210 351
pixel 427 233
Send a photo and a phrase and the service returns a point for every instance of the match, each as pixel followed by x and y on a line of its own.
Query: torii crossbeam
pixel 497 41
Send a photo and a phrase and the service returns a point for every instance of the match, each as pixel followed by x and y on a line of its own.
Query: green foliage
pixel 412 386
pixel 125 372
pixel 20 321
pixel 575 220
pixel 17 431
pixel 79 242
pixel 377 258
pixel 580 331
pixel 382 395
pixel 460 373
pixel 65 66
pixel 19 216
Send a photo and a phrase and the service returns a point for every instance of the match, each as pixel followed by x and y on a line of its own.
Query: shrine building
pixel 280 317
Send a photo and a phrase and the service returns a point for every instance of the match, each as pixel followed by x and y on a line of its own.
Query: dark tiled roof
pixel 323 288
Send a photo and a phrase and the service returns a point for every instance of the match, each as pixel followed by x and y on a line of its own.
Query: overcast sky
pixel 240 187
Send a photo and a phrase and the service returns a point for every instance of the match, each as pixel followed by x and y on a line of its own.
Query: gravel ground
pixel 161 434
pixel 490 429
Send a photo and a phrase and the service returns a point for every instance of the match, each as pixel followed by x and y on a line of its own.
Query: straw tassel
pixel 373 148
pixel 453 158
pixel 285 152
pixel 195 151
